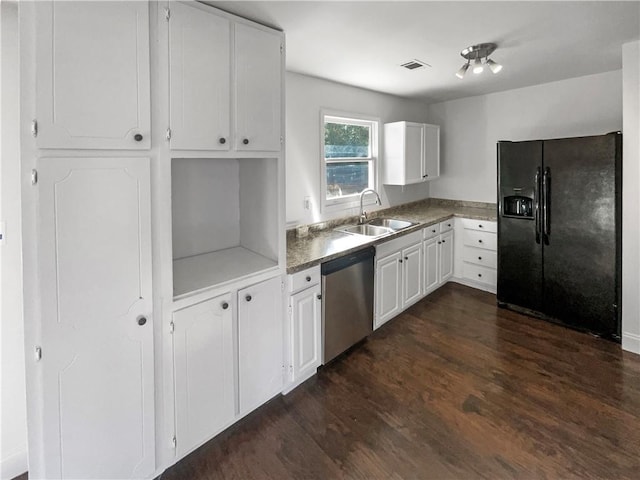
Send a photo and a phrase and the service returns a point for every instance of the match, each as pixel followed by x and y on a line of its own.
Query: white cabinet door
pixel 388 288
pixel 92 67
pixel 414 153
pixel 260 343
pixel 431 277
pixel 203 372
pixel 199 78
pixel 306 332
pixel 411 274
pixel 258 88
pixel 431 158
pixel 96 375
pixel 446 256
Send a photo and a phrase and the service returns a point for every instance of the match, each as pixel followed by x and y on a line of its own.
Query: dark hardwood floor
pixel 452 388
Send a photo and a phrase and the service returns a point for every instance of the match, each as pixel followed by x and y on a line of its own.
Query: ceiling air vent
pixel 414 65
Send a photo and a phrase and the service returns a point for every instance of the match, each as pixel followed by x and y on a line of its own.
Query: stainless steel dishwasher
pixel 347 307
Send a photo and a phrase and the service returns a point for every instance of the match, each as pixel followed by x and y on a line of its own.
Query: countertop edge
pixel 419 226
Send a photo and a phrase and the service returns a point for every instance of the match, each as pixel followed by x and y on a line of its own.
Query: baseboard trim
pixel 474 284
pixel 14 465
pixel 631 342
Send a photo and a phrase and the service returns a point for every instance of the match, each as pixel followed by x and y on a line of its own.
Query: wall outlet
pixel 307 203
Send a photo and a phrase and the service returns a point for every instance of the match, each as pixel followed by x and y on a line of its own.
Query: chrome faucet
pixel 363 214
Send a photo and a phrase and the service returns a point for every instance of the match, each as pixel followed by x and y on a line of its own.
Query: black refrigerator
pixel 559 230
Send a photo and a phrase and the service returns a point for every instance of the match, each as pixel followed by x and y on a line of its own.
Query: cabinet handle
pixel 448 224
pixel 406 258
pixel 433 231
pixel 248 298
pixel 479 274
pixel 480 226
pixel 222 140
pixel 479 258
pixel 479 241
pixel 319 297
pixel 425 176
pixel 245 141
pixel 400 260
pixel 442 241
pixel 138 137
pixel 225 305
pixel 308 279
pixel 439 243
pixel 142 320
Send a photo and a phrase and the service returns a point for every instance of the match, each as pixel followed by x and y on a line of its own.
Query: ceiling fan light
pixel 462 71
pixel 494 66
pixel 477 66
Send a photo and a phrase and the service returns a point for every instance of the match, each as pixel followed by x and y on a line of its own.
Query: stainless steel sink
pixel 366 229
pixel 390 223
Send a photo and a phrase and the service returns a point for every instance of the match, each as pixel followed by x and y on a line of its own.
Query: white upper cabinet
pixel 258 88
pixel 199 78
pixel 225 82
pixel 411 153
pixel 92 75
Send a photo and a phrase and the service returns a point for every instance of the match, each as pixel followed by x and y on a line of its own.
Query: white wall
pixel 631 197
pixel 305 97
pixel 13 415
pixel 470 127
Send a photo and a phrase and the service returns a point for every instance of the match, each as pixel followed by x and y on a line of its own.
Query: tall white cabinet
pixel 222 259
pixel 156 212
pixel 94 365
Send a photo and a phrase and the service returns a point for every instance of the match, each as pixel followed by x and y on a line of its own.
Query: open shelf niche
pixel 224 220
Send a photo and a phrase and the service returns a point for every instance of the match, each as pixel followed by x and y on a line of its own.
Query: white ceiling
pixel 363 43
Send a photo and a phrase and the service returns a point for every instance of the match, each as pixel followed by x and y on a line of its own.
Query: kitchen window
pixel 349 153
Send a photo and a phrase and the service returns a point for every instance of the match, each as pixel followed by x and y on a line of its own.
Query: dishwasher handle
pixel 348 260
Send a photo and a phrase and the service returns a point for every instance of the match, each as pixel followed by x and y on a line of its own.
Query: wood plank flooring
pixel 452 388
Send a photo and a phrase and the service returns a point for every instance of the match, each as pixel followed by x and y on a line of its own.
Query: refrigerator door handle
pixel 536 206
pixel 546 214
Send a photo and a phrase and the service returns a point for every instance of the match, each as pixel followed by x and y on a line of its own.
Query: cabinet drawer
pixel 479 256
pixel 475 238
pixel 397 244
pixel 480 274
pixel 446 225
pixel 480 225
pixel 303 279
pixel 431 231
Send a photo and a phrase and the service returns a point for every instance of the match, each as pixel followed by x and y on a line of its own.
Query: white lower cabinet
pixel 438 248
pixel 431 249
pixel 398 276
pixel 260 343
pixel 411 274
pixel 446 257
pixel 477 250
pixel 219 376
pixel 203 371
pixel 388 289
pixel 304 330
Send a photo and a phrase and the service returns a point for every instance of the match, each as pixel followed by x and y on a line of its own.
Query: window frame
pixel 349 201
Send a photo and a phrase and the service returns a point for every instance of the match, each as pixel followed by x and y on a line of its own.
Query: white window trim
pixel 349 201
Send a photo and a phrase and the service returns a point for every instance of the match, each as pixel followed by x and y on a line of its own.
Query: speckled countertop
pixel 324 243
